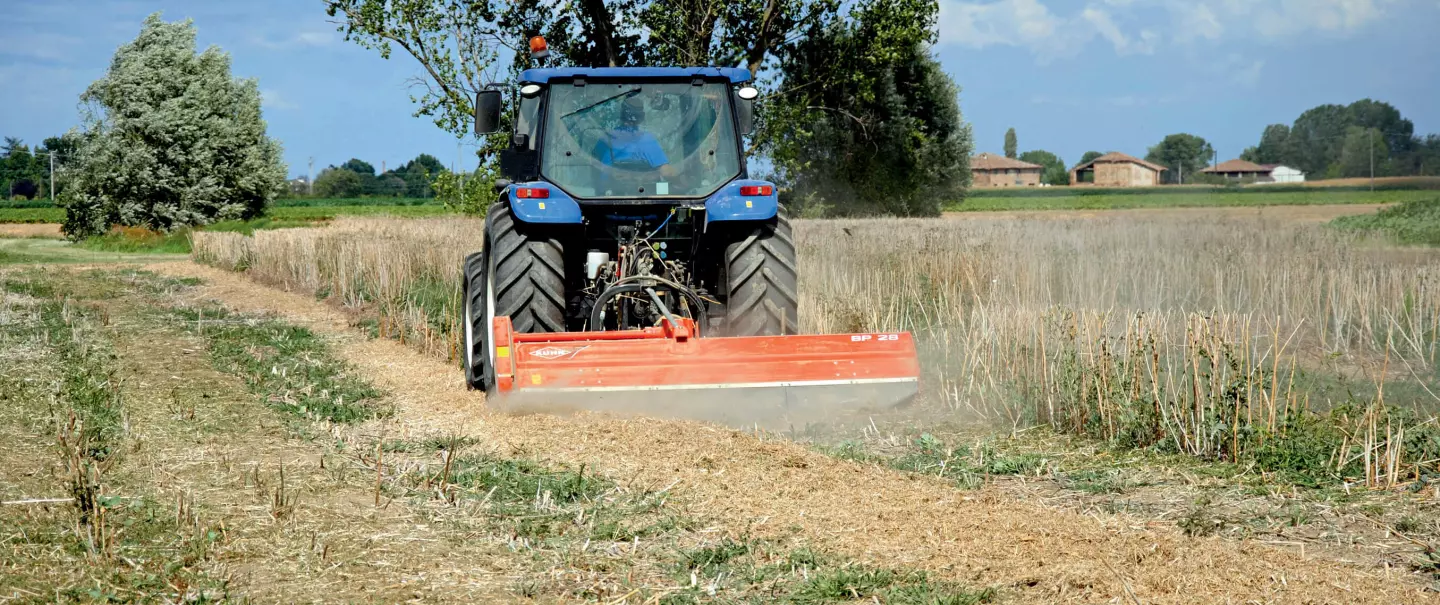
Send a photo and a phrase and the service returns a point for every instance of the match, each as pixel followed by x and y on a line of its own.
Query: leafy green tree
pixel 170 139
pixel 1184 154
pixel 335 182
pixel 415 177
pixel 1364 149
pixel 1012 144
pixel 358 166
pixel 885 136
pixel 1055 172
pixel 1274 147
pixel 1425 160
pixel 19 172
pixel 1397 132
pixel 64 148
pixel 470 193
pixel 1089 155
pixel 1318 135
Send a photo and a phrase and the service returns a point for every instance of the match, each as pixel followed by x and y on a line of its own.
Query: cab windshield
pixel 640 140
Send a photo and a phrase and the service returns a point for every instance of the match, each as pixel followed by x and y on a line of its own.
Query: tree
pixel 358 166
pixel 335 182
pixel 19 172
pixel 1364 150
pixel 418 174
pixel 1088 157
pixel 1397 132
pixel 1011 143
pixel 1274 147
pixel 170 139
pixel 458 43
pixel 886 135
pixel 1055 172
pixel 64 148
pixel 1184 154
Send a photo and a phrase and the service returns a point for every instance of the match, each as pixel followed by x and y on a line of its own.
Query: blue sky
pixel 1070 76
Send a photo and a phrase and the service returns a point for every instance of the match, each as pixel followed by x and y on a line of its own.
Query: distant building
pixel 992 170
pixel 1116 169
pixel 1241 170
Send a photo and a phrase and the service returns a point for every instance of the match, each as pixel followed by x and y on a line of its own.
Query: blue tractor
pixel 626 203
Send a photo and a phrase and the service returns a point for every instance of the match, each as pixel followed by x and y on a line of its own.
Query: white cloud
pixel 1290 17
pixel 1104 25
pixel 304 39
pixel 1248 74
pixel 40 45
pixel 1195 21
pixel 315 38
pixel 1140 26
pixel 1029 24
pixel 272 99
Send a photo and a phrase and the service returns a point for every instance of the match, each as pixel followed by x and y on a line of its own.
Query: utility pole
pixel 460 166
pixel 1372 159
pixel 52 177
pixel 310 178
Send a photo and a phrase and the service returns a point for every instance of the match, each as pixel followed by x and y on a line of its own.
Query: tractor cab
pixel 669 135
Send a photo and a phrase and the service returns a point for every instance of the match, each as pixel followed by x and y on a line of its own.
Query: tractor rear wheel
pixel 761 281
pixel 520 274
pixel 475 319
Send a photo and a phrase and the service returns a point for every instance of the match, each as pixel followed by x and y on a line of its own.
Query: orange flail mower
pixel 757 375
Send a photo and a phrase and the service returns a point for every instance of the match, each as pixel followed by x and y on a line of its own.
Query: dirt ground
pixel 770 488
pixel 1296 214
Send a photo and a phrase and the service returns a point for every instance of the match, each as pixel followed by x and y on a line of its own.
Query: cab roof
pixel 736 75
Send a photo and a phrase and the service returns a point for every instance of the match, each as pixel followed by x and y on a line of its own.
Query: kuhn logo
pixel 552 353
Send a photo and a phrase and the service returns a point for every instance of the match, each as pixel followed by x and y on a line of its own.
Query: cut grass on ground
pixel 103 543
pixel 254 517
pixel 1200 498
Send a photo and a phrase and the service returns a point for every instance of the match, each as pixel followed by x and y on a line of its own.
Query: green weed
pixel 858 582
pixel 291 367
pixel 1092 481
pixel 1201 519
pixel 1412 222
pixel 709 560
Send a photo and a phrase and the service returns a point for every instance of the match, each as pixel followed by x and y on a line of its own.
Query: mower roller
pixel 632 265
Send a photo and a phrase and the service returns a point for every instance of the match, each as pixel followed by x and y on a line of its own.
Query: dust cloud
pixel 766 408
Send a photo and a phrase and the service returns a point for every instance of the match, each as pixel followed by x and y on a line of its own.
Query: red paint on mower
pixel 874 370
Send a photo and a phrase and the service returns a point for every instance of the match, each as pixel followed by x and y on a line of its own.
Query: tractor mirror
pixel 746 113
pixel 745 101
pixel 487 111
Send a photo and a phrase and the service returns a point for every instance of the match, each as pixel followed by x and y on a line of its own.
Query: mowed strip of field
pixel 776 489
